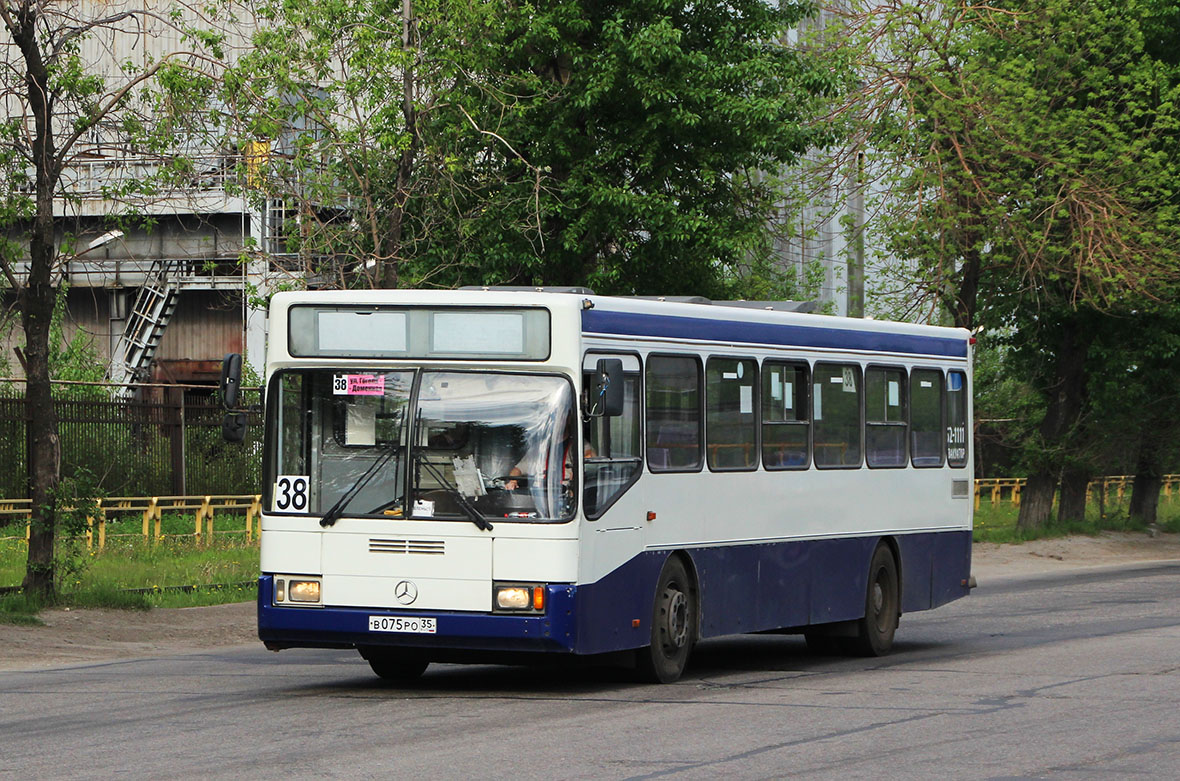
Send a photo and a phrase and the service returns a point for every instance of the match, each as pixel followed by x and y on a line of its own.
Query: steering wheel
pixel 522 481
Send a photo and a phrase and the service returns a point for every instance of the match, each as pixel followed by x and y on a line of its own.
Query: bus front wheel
pixel 673 626
pixel 874 632
pixel 391 666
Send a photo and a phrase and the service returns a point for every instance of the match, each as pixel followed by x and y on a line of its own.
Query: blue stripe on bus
pixel 758 587
pixel 744 588
pixel 600 321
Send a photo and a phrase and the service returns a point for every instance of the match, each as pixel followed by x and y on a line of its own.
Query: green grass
pixel 20 610
pixel 130 573
pixel 997 523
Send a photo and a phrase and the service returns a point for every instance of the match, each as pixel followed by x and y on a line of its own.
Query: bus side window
pixel 786 426
pixel 731 425
pixel 926 433
pixel 612 448
pixel 885 417
pixel 836 410
pixel 956 419
pixel 673 413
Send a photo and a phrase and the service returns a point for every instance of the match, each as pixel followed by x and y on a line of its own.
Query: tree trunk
pixel 1072 505
pixel 389 273
pixel 963 305
pixel 1145 490
pixel 1036 501
pixel 37 298
pixel 1064 404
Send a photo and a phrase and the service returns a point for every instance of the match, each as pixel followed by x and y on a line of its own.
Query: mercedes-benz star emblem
pixel 405 592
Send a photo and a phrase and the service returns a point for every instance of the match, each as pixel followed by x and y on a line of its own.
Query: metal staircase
pixel 155 302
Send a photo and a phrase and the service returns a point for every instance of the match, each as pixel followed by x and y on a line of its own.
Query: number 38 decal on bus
pixel 291 494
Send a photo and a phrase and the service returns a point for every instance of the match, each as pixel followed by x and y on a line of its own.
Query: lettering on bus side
pixel 956 443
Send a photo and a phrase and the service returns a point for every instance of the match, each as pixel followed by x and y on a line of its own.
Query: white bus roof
pixel 643 317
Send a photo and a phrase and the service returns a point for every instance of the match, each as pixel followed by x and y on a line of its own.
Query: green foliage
pixel 1029 155
pixel 63 108
pixel 75 499
pixel 75 358
pixel 629 146
pixel 1034 153
pixel 1008 408
pixel 650 120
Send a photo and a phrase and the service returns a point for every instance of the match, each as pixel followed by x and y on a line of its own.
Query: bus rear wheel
pixel 874 632
pixel 673 626
pixel 392 666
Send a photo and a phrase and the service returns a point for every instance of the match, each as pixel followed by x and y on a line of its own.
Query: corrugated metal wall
pixel 206 325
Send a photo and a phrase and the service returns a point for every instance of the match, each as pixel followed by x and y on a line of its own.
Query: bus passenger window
pixel 836 410
pixel 731 428
pixel 956 419
pixel 926 433
pixel 673 413
pixel 786 427
pixel 885 417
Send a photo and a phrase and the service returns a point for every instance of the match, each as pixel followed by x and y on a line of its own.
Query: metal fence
pixel 998 489
pixel 168 443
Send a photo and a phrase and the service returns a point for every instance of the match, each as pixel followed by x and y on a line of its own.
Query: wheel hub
pixel 676 618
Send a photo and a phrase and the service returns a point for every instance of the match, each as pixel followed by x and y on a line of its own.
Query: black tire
pixel 874 632
pixel 673 626
pixel 824 645
pixel 392 666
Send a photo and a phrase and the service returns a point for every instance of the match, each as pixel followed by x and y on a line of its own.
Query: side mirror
pixel 606 394
pixel 233 426
pixel 231 378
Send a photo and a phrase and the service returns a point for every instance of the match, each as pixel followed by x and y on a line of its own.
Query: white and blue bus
pixel 499 475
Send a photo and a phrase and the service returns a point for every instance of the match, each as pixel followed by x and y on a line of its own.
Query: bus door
pixel 612 493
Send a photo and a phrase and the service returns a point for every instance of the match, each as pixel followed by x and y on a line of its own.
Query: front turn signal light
pixel 518 598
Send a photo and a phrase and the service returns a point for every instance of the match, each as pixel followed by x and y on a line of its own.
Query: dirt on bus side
pixel 72 636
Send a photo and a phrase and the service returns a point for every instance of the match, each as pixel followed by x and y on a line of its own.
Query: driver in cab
pixel 567 467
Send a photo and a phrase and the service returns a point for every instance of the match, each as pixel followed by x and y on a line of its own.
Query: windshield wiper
pixel 468 509
pixel 335 511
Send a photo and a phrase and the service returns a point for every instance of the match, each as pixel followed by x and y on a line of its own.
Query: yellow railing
pixel 996 489
pixel 150 510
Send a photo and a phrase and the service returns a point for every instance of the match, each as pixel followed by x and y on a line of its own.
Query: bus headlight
pixel 519 597
pixel 304 591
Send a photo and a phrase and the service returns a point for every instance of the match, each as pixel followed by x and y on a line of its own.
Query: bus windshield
pixel 353 444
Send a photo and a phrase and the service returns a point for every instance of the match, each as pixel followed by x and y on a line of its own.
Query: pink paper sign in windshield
pixel 366 385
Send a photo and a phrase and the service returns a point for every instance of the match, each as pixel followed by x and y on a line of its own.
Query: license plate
pixel 416 625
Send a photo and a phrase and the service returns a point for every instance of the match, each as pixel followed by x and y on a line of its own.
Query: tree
pixel 1135 392
pixel 1032 151
pixel 630 146
pixel 62 96
pixel 332 98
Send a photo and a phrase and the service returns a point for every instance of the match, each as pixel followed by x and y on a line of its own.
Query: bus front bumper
pixel 337 627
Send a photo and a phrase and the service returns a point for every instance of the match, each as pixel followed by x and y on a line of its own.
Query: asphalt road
pixel 1076 676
